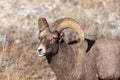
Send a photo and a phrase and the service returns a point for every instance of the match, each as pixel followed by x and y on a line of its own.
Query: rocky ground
pixel 18 31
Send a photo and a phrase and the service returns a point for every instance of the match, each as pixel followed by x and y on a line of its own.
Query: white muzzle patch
pixel 41 50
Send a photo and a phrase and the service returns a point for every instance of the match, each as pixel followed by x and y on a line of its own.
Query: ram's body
pixel 84 60
pixel 108 58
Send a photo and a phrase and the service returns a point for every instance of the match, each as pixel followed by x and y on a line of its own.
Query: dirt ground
pixel 18 31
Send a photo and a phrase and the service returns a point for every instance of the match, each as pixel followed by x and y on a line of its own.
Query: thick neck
pixel 62 56
pixel 66 61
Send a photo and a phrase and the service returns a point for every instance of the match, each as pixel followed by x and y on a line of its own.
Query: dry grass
pixel 20 61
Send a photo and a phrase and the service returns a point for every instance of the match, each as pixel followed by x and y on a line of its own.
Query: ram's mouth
pixel 39 54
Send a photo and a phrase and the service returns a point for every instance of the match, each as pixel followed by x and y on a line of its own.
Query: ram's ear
pixel 61 35
pixel 42 23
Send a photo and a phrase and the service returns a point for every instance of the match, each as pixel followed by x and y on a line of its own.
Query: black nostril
pixel 40 50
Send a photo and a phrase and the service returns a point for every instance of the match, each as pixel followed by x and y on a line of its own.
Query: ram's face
pixel 48 43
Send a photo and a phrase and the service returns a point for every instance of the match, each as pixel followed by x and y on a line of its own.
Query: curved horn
pixel 42 23
pixel 64 23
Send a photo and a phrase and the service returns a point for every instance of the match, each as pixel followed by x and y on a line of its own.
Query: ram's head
pixel 49 40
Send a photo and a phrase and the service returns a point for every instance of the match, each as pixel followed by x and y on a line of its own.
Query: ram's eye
pixel 38 37
pixel 52 40
pixel 55 38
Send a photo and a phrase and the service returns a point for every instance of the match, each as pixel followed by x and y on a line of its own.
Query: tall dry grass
pixel 19 60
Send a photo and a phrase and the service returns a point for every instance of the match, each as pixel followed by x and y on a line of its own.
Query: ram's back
pixel 108 58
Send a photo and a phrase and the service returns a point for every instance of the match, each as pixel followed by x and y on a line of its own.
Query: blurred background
pixel 18 31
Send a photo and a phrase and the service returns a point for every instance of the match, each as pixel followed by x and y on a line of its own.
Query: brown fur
pixel 72 62
pixel 108 58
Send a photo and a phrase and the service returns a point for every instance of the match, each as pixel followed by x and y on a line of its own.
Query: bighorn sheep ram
pixel 72 61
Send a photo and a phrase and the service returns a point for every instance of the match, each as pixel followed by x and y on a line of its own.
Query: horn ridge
pixel 64 23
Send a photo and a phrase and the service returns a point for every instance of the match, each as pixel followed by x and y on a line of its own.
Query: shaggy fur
pixel 92 60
